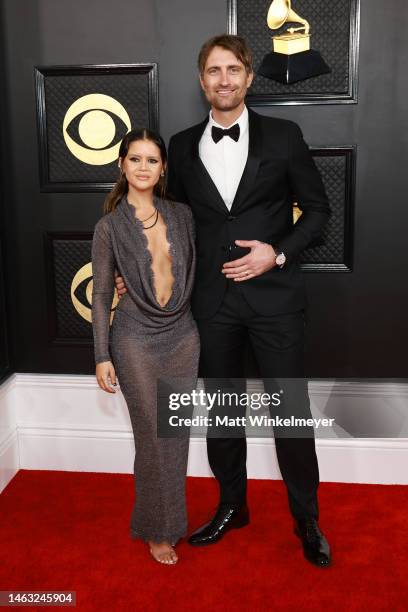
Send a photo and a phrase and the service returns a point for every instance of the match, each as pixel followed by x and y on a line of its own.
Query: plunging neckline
pixel 157 205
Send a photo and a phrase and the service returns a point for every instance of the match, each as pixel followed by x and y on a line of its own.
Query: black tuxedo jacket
pixel 279 171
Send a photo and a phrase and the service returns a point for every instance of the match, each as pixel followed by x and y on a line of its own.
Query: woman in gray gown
pixel 150 241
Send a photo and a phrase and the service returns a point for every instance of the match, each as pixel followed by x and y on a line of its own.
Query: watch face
pixel 280 260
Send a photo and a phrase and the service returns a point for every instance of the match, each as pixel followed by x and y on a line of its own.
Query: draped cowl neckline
pixel 142 273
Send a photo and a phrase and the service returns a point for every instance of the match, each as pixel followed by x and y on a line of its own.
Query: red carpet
pixel 69 531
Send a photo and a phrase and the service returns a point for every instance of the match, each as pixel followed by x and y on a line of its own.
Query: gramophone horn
pixel 280 12
pixel 277 14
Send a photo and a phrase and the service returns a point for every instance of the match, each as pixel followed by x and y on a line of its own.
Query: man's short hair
pixel 231 42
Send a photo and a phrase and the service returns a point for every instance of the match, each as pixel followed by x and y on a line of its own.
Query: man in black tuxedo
pixel 241 172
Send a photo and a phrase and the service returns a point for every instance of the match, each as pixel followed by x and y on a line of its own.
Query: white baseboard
pixel 364 461
pixel 9 459
pixel 64 422
pixel 9 449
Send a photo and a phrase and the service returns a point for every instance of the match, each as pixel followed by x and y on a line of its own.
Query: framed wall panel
pixel 69 287
pixel 334 32
pixel 82 114
pixel 334 251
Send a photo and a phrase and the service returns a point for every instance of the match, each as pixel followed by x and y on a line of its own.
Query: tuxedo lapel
pixel 254 157
pixel 200 172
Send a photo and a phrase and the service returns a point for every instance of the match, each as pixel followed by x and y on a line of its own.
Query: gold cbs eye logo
pixel 96 128
pixel 83 275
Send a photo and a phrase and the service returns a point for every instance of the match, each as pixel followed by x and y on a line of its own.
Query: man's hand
pixel 261 259
pixel 120 285
pixel 103 371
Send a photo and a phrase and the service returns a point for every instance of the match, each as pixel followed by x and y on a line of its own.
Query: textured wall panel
pixel 334 251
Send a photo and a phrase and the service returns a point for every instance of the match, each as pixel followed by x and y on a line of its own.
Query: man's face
pixel 225 80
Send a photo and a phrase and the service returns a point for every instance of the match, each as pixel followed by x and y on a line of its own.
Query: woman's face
pixel 142 165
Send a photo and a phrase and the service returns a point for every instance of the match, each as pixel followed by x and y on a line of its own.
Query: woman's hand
pixel 103 371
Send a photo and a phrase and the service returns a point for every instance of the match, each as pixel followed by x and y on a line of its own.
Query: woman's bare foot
pixel 163 552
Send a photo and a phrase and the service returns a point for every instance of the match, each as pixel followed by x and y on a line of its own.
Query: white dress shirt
pixel 225 160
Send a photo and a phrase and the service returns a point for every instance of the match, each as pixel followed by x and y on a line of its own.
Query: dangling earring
pixel 162 187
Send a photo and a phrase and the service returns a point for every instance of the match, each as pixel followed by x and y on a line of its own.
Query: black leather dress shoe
pixel 315 546
pixel 225 519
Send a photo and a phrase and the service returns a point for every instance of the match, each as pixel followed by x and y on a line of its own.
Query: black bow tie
pixel 218 133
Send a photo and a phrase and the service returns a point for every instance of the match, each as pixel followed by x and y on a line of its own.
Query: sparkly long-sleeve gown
pixel 146 342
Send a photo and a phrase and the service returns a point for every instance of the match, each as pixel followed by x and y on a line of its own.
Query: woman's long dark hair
pixel 121 187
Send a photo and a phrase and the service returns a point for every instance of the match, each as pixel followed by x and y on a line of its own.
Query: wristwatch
pixel 280 258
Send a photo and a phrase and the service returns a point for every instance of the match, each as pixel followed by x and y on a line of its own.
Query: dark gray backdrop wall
pixel 357 321
pixel 5 358
pixel 5 365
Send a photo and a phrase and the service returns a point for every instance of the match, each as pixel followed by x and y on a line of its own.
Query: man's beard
pixel 227 105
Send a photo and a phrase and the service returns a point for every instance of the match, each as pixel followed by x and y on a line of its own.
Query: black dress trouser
pixel 278 345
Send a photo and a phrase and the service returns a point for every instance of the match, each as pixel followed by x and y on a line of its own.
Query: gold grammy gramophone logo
pixel 292 58
pixel 96 128
pixel 293 40
pixel 84 274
